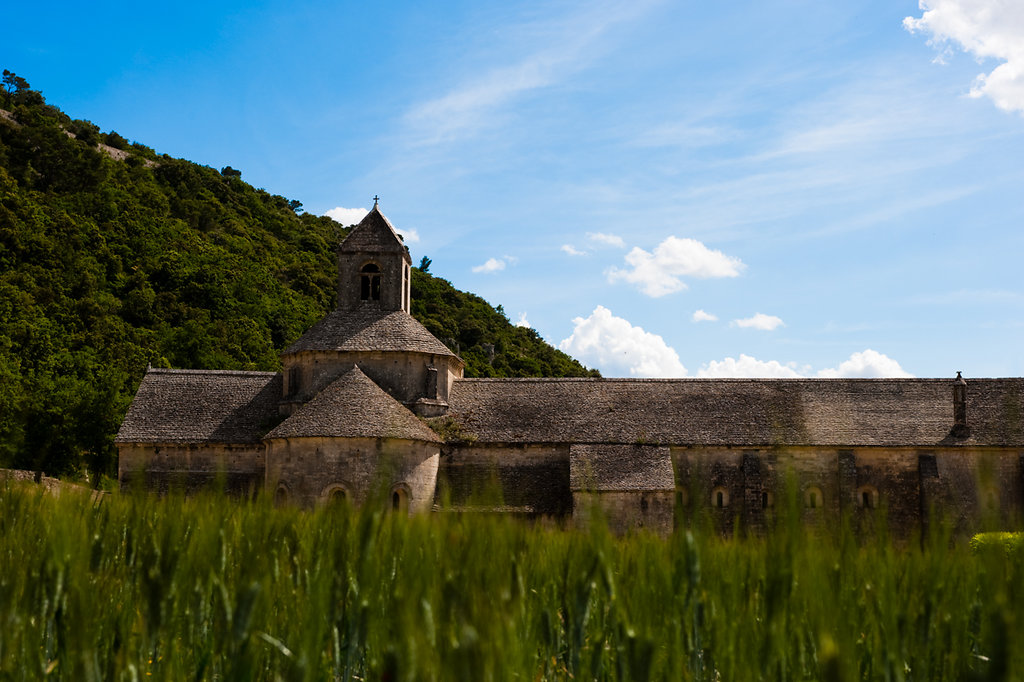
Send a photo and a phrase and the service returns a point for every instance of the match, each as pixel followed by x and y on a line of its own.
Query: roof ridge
pixel 217 372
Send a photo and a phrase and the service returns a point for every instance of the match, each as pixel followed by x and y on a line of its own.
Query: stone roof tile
pixel 198 406
pixel 352 406
pixel 369 329
pixel 739 412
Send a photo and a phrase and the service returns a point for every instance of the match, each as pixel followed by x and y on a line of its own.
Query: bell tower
pixel 374 266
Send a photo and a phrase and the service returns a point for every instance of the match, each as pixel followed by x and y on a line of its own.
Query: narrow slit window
pixel 720 498
pixel 813 498
pixel 400 500
pixel 867 497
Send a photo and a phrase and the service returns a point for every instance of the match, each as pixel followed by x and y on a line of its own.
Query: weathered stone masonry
pixel 346 417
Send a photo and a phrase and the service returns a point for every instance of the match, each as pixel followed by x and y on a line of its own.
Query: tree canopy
pixel 113 257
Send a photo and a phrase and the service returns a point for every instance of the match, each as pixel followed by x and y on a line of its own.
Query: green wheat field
pixel 139 587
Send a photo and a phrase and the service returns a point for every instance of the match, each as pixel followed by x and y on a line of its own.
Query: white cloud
pixel 864 364
pixel 759 321
pixel 409 235
pixel 747 367
pixel 522 321
pixel 492 265
pixel 988 29
pixel 615 346
pixel 701 316
pixel 867 364
pixel 572 250
pixel 606 239
pixel 658 274
pixel 347 216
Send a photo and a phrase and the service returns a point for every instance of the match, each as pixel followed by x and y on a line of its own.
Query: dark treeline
pixel 113 256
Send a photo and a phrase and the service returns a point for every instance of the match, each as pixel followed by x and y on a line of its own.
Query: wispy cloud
pixel 572 251
pixel 759 321
pixel 605 239
pixel 522 321
pixel 553 51
pixel 969 296
pixel 685 135
pixel 988 29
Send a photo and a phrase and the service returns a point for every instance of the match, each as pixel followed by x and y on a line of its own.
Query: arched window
pixel 281 495
pixel 400 499
pixel 867 497
pixel 334 495
pixel 369 282
pixel 720 498
pixel 813 499
pixel 767 500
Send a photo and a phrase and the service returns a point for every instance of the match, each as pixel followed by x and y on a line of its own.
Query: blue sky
pixel 660 188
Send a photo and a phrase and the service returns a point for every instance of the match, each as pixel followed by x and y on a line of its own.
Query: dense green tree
pixel 108 265
pixel 13 84
pixel 482 335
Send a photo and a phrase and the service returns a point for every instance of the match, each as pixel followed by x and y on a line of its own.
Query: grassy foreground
pixel 138 587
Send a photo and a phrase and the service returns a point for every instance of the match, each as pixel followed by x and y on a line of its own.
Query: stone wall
pixel 306 471
pixel 970 488
pixel 395 278
pixel 626 510
pixel 528 479
pixel 239 469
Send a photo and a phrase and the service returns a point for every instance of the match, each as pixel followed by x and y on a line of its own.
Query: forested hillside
pixel 113 256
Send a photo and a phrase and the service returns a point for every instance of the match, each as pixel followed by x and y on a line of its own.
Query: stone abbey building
pixel 366 392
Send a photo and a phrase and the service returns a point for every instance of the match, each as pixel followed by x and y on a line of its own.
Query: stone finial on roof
pixel 960 428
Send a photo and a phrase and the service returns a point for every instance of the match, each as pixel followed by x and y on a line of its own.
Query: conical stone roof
pixel 369 329
pixel 352 406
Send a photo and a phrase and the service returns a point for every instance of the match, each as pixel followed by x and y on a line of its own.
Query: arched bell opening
pixel 369 282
